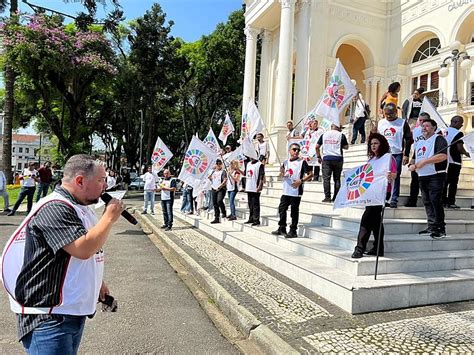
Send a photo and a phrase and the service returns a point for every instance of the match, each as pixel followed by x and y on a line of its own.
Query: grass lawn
pixel 14 191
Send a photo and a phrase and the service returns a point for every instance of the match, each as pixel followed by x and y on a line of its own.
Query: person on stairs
pixel 295 171
pixel 218 179
pixel 255 177
pixel 372 218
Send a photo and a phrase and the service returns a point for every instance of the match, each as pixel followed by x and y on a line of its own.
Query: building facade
pixel 377 41
pixel 27 148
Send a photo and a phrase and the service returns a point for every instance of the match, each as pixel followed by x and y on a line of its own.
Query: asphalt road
pixel 157 312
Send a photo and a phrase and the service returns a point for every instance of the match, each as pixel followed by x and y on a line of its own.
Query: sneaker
pixel 152 213
pixel 7 210
pixel 11 213
pixel 425 231
pixel 280 231
pixel 393 205
pixel 255 224
pixel 248 222
pixel 215 221
pixel 453 206
pixel 438 235
pixel 326 200
pixel 373 252
pixel 232 218
pixel 164 226
pixel 167 229
pixel 144 212
pixel 357 254
pixel 291 234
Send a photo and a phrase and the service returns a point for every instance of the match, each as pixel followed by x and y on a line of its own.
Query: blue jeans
pixel 149 198
pixel 29 193
pixel 167 207
pixel 187 201
pixel 208 202
pixel 42 190
pixel 55 336
pixel 396 185
pixel 232 195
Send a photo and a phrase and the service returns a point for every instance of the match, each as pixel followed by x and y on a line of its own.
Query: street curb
pixel 245 321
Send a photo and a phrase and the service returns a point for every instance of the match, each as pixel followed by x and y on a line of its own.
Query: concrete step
pixel 354 294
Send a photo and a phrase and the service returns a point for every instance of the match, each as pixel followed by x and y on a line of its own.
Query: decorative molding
pixel 285 4
pixel 357 17
pixel 251 33
pixel 419 10
pixel 267 36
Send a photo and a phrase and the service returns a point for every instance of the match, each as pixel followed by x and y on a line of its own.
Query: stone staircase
pixel 416 270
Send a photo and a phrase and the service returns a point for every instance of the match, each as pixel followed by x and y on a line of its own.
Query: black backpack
pixel 367 111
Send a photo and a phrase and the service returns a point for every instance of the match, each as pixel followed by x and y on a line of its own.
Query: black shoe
pixel 215 221
pixel 438 235
pixel 326 200
pixel 357 254
pixel 393 205
pixel 144 212
pixel 248 222
pixel 280 231
pixel 7 210
pixel 291 234
pixel 11 213
pixel 453 206
pixel 425 231
pixel 373 252
pixel 164 226
pixel 255 224
pixel 232 218
pixel 387 204
pixel 410 204
pixel 167 229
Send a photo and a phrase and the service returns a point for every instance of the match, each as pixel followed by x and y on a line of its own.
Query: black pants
pixel 27 192
pixel 432 190
pixel 358 127
pixel 218 202
pixel 370 223
pixel 285 202
pixel 414 188
pixel 316 170
pixel 335 168
pixel 451 185
pixel 254 206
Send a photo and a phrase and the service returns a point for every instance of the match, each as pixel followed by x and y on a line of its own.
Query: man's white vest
pixel 393 132
pixel 450 134
pixel 332 143
pixel 292 173
pixel 424 149
pixel 252 176
pixel 81 285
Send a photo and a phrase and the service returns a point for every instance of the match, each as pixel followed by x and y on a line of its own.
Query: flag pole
pixel 273 145
pixel 379 242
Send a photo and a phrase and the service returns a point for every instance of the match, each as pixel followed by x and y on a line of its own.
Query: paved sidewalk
pixel 293 318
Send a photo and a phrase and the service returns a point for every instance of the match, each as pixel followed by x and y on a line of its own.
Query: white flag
pixel 211 141
pixel 428 107
pixel 337 95
pixel 160 156
pixel 236 155
pixel 251 122
pixel 198 161
pixel 469 143
pixel 365 185
pixel 227 129
pixel 248 148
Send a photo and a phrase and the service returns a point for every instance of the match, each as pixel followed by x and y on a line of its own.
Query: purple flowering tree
pixel 60 70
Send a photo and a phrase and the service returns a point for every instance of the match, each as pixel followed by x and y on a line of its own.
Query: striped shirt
pixel 45 263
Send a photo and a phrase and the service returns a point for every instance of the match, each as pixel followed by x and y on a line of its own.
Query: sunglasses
pixel 219 163
pixel 295 149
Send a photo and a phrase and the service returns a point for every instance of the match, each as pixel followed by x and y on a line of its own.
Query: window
pixel 20 157
pixel 20 150
pixel 19 166
pixel 427 49
pixel 430 81
pixel 27 150
pixel 13 149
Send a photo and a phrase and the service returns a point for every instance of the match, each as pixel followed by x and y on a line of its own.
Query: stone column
pixel 250 63
pixel 264 84
pixel 302 60
pixel 374 107
pixel 285 63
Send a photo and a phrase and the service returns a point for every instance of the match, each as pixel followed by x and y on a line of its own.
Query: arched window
pixel 427 49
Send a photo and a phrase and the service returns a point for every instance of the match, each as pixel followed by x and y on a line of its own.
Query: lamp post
pixel 454 58
pixel 141 143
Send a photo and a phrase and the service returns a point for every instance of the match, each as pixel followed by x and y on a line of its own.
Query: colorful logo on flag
pixel 245 125
pixel 158 157
pixel 334 95
pixel 359 181
pixel 195 162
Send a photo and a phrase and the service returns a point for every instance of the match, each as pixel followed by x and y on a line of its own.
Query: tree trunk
pixel 9 106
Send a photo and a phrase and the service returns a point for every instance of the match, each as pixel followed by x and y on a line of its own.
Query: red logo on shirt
pixel 389 132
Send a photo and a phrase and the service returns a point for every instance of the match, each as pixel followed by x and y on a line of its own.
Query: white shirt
pixel 28 177
pixel 359 109
pixel 111 182
pixel 3 181
pixel 393 132
pixel 150 180
pixel 332 143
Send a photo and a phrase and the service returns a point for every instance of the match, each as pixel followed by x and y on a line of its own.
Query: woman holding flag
pixel 233 186
pixel 372 218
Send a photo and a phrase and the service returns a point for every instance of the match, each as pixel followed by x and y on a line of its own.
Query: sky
pixel 192 18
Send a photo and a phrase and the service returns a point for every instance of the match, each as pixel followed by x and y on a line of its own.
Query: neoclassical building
pixel 378 42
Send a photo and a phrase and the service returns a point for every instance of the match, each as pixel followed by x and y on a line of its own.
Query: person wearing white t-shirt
pixel 29 177
pixel 262 149
pixel 3 191
pixel 292 132
pixel 150 179
pixel 332 142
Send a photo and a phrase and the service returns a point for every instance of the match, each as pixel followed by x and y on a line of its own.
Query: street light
pixel 466 63
pixel 141 143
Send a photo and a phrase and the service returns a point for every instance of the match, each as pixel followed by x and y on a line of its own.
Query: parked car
pixel 136 184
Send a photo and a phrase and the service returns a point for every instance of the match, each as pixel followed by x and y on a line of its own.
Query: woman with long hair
pixel 233 187
pixel 391 96
pixel 372 218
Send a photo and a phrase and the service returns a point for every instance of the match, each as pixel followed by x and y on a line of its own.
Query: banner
pixel 252 122
pixel 307 145
pixel 469 143
pixel 236 155
pixel 428 107
pixel 248 148
pixel 211 141
pixel 365 185
pixel 198 161
pixel 227 129
pixel 337 95
pixel 160 156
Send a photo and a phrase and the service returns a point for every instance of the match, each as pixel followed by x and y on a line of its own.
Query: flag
pixel 237 155
pixel 365 185
pixel 198 161
pixel 160 156
pixel 307 146
pixel 247 148
pixel 337 95
pixel 469 143
pixel 251 122
pixel 202 185
pixel 310 117
pixel 428 107
pixel 227 129
pixel 211 141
